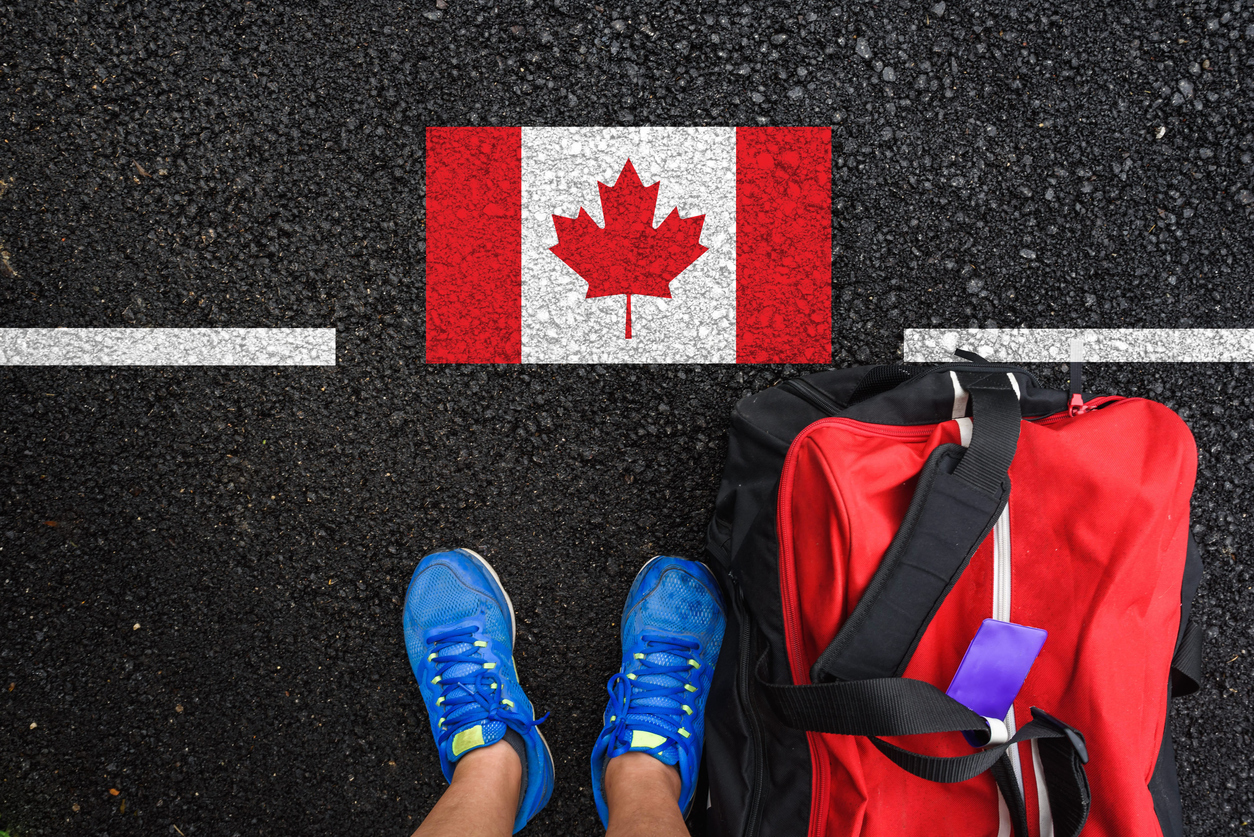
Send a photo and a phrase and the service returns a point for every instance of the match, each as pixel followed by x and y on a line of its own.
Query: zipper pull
pixel 1076 405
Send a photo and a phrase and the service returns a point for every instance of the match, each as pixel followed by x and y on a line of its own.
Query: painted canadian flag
pixel 628 245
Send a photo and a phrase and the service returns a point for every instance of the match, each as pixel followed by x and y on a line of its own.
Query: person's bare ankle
pixel 497 759
pixel 634 768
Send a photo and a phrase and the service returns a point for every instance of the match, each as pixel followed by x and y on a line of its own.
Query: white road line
pixel 1109 345
pixel 167 347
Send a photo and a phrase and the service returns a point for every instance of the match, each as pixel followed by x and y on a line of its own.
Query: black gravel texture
pixel 201 569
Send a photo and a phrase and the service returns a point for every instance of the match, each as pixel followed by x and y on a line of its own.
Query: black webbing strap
pixel 950 769
pixel 1186 663
pixel 876 706
pixel 1063 756
pixel 959 496
pixel 1066 785
pixel 1008 783
pixel 892 706
pixel 995 419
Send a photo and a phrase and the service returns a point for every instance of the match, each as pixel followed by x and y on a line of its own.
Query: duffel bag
pixel 870 523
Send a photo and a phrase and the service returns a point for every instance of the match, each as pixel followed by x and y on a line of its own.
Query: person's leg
pixel 642 795
pixel 482 799
pixel 646 759
pixel 459 635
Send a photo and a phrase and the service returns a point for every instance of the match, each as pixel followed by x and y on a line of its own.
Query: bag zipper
pixel 744 686
pixel 1001 610
pixel 815 397
pixel 1001 566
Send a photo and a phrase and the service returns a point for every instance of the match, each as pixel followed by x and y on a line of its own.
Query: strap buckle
pixel 997 733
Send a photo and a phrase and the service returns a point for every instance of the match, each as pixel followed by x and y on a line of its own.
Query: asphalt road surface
pixel 202 569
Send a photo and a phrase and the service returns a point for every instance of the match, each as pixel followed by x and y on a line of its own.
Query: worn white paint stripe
pixel 1101 345
pixel 167 347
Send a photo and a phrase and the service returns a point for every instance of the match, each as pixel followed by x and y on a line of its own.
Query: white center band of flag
pixel 628 245
pixel 167 346
pixel 1103 345
pixel 696 172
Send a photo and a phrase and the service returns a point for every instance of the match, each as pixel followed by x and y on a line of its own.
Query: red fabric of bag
pixel 1098 521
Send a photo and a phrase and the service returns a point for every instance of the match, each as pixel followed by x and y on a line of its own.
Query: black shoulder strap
pixel 959 496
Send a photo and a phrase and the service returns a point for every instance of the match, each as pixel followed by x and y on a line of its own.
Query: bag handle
pixel 891 706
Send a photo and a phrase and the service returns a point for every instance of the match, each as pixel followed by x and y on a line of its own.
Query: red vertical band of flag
pixel 474 245
pixel 783 245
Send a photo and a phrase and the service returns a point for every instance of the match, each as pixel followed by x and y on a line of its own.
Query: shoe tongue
pixel 643 739
pixel 475 735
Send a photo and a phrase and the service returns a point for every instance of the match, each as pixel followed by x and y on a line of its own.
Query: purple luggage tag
pixel 992 672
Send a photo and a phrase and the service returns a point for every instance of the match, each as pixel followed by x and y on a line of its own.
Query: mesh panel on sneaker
pixel 445 600
pixel 681 604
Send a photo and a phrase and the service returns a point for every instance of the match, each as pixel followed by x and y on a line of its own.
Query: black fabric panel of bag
pixel 881 379
pixel 1186 662
pixel 875 380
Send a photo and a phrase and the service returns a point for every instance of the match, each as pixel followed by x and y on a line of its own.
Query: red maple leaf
pixel 629 256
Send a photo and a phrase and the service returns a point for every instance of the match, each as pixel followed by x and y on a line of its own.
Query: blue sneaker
pixel 672 631
pixel 459 633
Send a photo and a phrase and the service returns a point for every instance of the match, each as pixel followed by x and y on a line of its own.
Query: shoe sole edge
pixel 622 621
pixel 509 603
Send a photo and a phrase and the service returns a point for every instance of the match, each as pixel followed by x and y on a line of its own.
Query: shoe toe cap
pixel 677 601
pixel 446 592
